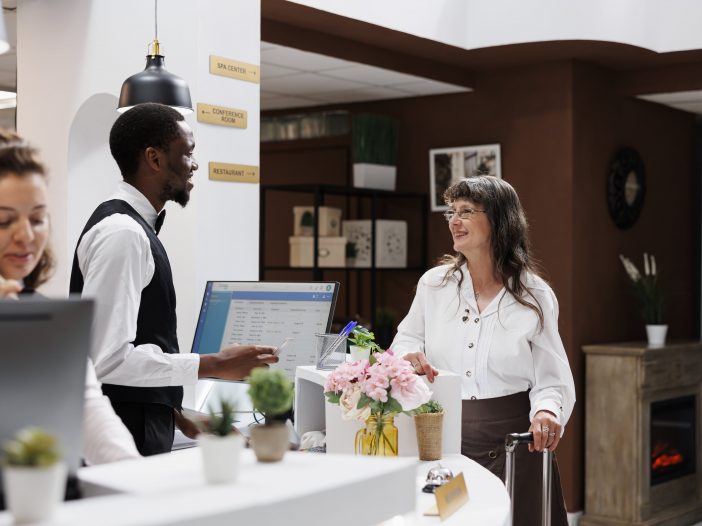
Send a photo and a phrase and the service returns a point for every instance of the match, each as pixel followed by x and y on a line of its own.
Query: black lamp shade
pixel 155 84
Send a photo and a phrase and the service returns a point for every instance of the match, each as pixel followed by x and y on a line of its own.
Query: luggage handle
pixel 511 442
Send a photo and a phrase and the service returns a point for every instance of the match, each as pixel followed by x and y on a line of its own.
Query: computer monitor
pixel 44 347
pixel 265 313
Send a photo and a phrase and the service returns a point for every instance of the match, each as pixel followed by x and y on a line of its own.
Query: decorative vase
pixel 359 353
pixel 429 428
pixel 379 437
pixel 269 441
pixel 220 457
pixel 32 494
pixel 656 335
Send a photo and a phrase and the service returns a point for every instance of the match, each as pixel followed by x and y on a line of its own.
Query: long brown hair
pixel 509 239
pixel 18 157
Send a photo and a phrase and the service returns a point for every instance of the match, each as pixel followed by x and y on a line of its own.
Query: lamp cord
pixel 155 19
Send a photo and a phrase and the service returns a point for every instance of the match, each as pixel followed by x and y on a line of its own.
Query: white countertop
pixel 303 489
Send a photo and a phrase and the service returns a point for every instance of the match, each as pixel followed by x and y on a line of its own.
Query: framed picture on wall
pixel 448 165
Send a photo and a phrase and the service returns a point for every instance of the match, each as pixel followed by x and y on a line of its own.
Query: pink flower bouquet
pixel 388 385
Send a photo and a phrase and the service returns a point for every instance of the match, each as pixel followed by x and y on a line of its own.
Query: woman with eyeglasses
pixel 26 263
pixel 486 315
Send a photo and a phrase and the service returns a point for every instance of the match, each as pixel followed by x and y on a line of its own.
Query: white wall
pixel 73 56
pixel 659 26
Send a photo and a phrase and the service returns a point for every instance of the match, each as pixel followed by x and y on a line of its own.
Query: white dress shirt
pixel 105 438
pixel 498 352
pixel 115 259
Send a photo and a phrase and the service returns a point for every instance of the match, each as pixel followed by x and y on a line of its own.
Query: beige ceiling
pixel 292 78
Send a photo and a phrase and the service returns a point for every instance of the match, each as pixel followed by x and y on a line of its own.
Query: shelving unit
pixel 319 193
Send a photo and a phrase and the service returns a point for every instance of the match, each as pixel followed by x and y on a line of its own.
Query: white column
pixel 73 56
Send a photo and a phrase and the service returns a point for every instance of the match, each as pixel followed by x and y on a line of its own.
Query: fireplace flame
pixel 664 456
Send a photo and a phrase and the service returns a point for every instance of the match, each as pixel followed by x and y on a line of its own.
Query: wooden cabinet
pixel 623 383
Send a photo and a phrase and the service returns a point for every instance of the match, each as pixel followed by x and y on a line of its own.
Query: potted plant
pixel 428 422
pixel 647 289
pixel 351 253
pixel 307 224
pixel 374 141
pixel 271 393
pixel 220 445
pixel 363 344
pixel 34 476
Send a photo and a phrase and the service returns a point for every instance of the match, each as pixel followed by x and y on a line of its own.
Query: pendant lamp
pixel 155 83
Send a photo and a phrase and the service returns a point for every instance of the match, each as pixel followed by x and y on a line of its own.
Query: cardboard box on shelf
pixel 390 242
pixel 329 223
pixel 331 251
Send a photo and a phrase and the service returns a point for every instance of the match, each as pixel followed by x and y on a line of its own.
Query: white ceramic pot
pixel 33 494
pixel 359 353
pixel 220 457
pixel 656 335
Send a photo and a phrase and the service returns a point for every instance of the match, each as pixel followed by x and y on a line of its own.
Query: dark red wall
pixel 558 125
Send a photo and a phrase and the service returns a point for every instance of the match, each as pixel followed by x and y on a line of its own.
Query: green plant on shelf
pixel 351 250
pixel 374 139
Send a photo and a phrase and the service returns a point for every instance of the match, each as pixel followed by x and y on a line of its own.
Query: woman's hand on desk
pixel 421 365
pixel 236 362
pixel 9 288
pixel 546 429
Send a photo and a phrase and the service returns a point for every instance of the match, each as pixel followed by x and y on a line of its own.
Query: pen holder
pixel 331 351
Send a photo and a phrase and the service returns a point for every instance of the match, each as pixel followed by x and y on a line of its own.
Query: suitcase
pixel 511 442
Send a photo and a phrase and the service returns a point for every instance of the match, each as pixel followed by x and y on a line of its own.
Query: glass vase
pixel 379 437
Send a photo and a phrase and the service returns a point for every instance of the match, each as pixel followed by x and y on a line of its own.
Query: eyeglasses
pixel 464 213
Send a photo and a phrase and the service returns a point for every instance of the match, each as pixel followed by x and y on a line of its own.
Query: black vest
pixel 156 322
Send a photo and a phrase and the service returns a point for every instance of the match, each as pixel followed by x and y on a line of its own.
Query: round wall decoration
pixel 626 187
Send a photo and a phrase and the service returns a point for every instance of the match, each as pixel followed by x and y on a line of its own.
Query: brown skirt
pixel 485 424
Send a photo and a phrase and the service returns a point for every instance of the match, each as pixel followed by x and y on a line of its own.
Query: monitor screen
pixel 266 313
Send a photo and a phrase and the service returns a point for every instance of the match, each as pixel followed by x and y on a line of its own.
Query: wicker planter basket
pixel 429 435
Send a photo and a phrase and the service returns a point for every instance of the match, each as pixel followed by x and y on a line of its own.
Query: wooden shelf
pixel 318 143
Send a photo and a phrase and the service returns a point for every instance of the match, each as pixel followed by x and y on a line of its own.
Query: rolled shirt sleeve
pixel 116 262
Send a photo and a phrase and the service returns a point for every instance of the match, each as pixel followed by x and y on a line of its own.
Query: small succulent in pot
pixel 220 444
pixel 220 423
pixel 34 475
pixel 32 447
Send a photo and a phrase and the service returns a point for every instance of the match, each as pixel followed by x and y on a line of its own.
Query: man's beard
pixel 180 196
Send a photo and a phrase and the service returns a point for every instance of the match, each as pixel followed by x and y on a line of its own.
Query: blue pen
pixel 342 334
pixel 347 330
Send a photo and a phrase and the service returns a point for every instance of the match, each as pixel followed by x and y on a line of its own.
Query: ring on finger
pixel 552 434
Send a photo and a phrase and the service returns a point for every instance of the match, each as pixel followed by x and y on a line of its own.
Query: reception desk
pixel 304 489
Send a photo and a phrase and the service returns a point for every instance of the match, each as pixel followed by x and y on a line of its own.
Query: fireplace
pixel 643 431
pixel 672 439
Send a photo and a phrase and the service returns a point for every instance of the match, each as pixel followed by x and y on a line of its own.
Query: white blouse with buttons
pixel 498 352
